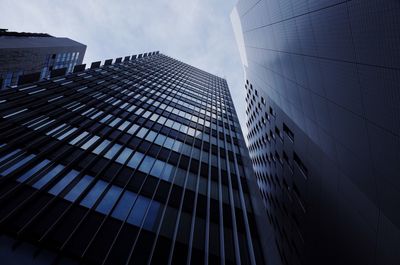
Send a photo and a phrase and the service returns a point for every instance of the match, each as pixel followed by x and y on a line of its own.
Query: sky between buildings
pixel 197 32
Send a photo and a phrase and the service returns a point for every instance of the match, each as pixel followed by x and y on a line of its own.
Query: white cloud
pixel 196 32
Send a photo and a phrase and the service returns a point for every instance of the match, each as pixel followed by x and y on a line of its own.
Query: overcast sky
pixel 197 32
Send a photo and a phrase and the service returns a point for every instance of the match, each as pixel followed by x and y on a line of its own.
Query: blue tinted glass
pixel 167 172
pixel 17 165
pixel 168 143
pixel 135 160
pixel 101 147
pixel 64 182
pixel 141 133
pixel 151 215
pixel 79 187
pixel 9 155
pixel 124 155
pixel 113 151
pixel 122 209
pixel 94 194
pixel 138 211
pixel 147 164
pixel 160 139
pixel 151 136
pixel 78 138
pixel 49 176
pixel 67 133
pixel 90 142
pixel 109 200
pixel 157 168
pixel 33 170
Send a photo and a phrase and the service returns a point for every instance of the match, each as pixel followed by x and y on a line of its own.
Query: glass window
pixel 135 160
pixel 94 194
pixel 124 125
pixel 151 215
pixel 167 172
pixel 124 155
pixel 147 164
pixel 113 151
pixel 151 136
pixel 109 200
pixel 90 142
pixel 106 118
pixel 49 176
pixel 138 211
pixel 168 143
pixel 56 189
pixel 160 139
pixel 79 188
pixel 56 129
pixel 78 138
pixel 142 132
pixel 114 122
pixel 157 168
pixel 33 170
pixel 9 155
pixel 125 203
pixel 17 165
pixel 133 129
pixel 66 133
pixel 101 147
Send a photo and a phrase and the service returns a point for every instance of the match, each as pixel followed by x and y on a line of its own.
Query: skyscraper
pixel 141 161
pixel 323 114
pixel 23 53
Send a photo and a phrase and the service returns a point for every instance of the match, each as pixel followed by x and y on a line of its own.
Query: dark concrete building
pixel 140 161
pixel 24 53
pixel 323 108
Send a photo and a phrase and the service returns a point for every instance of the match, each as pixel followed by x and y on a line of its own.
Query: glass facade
pixel 140 162
pixel 323 99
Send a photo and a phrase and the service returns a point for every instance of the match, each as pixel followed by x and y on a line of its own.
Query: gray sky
pixel 197 32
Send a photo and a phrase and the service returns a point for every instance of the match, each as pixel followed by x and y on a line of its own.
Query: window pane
pixel 94 194
pixel 111 153
pixel 152 215
pixel 138 211
pixel 147 164
pixel 109 200
pixel 90 142
pixel 33 170
pixel 135 160
pixel 122 209
pixel 17 165
pixel 79 187
pixel 124 155
pixel 63 182
pixel 157 168
pixel 49 176
pixel 101 147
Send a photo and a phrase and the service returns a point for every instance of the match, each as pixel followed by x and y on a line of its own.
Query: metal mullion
pixel 241 195
pixel 36 192
pixel 41 139
pixel 207 232
pixel 181 73
pixel 54 162
pixel 233 208
pixel 152 199
pixel 129 212
pixel 109 184
pixel 194 218
pixel 181 206
pixel 118 201
pixel 168 196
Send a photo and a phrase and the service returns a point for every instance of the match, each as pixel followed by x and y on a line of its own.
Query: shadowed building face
pixel 323 114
